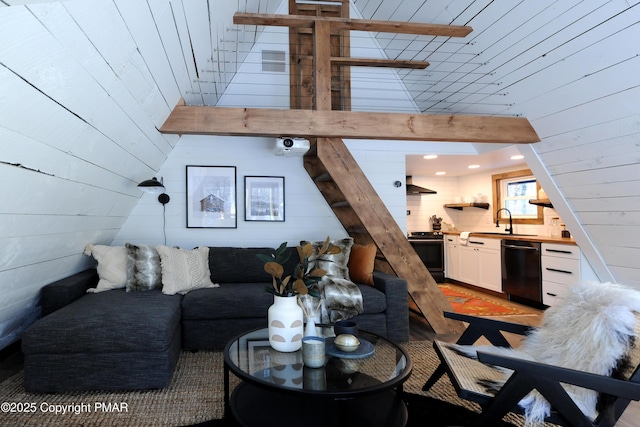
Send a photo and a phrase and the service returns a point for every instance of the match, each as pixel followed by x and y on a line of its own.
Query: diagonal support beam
pixel 385 232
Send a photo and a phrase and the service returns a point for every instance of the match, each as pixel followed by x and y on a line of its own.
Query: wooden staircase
pixel 365 217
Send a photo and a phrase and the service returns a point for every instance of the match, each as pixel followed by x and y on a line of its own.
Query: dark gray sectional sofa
pixel 117 340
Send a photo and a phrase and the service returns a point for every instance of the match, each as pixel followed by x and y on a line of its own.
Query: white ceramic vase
pixel 310 328
pixel 286 326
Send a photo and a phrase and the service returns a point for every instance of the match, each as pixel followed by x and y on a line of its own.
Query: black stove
pixel 426 235
pixel 429 245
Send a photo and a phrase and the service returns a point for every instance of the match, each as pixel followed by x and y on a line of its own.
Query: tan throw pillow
pixel 362 262
pixel 112 266
pixel 184 271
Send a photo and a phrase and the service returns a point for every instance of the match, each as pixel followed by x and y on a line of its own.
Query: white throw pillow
pixel 184 271
pixel 112 266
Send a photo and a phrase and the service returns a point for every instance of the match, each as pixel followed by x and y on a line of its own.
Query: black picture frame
pixel 211 197
pixel 264 198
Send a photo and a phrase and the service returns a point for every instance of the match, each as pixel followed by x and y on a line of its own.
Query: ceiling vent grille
pixel 273 61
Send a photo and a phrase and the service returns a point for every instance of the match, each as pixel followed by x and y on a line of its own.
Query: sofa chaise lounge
pixel 118 340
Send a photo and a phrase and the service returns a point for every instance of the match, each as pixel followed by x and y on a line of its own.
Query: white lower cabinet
pixel 452 267
pixel 468 264
pixel 490 269
pixel 560 270
pixel 479 263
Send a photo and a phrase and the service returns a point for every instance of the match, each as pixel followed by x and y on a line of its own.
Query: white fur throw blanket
pixel 591 330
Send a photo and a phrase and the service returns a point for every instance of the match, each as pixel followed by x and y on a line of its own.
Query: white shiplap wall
pixel 79 111
pixel 423 206
pixel 587 115
pixel 307 215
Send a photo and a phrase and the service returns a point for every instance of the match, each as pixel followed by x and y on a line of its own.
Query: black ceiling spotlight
pixel 153 186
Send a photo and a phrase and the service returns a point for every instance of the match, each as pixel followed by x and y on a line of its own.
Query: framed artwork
pixel 264 198
pixel 211 197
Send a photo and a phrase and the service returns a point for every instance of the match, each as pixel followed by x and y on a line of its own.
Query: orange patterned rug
pixel 469 303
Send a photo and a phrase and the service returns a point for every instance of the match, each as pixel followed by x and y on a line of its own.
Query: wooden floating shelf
pixel 541 202
pixel 460 206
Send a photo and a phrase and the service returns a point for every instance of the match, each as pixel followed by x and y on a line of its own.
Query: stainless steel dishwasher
pixel 521 271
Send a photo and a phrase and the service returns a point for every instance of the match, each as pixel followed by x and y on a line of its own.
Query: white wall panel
pixel 307 215
pixel 53 71
pixel 19 295
pixel 77 133
pixel 165 21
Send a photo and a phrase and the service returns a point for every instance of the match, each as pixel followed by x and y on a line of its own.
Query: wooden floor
pixel 421 331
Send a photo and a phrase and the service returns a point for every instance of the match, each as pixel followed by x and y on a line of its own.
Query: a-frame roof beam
pixel 339 24
pixel 347 124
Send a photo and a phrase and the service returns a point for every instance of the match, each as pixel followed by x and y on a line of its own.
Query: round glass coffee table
pixel 350 390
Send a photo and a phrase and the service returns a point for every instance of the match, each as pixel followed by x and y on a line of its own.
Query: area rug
pixel 469 303
pixel 195 397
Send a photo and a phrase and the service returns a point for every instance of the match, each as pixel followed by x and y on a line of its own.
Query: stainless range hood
pixel 416 189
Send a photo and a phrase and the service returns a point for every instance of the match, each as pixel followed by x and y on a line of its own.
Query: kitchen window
pixel 513 190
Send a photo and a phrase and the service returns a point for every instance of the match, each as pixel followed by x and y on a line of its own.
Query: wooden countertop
pixel 542 239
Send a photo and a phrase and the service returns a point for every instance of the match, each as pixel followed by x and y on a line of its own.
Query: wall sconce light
pixel 153 186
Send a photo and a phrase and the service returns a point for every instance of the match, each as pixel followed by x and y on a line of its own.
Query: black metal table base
pixel 257 406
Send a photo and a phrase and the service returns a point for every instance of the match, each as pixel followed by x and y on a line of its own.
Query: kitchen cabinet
pixel 560 270
pixel 452 267
pixel 479 263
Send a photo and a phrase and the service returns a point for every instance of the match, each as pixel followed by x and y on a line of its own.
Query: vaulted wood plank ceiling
pixel 480 74
pixel 495 70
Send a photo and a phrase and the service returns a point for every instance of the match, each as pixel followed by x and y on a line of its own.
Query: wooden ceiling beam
pixel 339 24
pixel 322 66
pixel 197 120
pixel 392 63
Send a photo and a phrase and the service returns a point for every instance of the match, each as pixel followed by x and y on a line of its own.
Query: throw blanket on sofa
pixel 341 299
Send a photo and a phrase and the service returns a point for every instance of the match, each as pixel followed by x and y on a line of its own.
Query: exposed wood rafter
pixel 363 62
pixel 347 124
pixel 339 24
